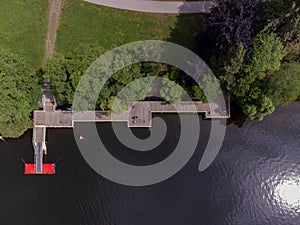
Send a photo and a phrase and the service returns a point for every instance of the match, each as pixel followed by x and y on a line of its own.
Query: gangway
pixel 38 167
pixel 38 159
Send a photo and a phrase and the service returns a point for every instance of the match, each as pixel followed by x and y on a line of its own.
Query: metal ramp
pixel 38 158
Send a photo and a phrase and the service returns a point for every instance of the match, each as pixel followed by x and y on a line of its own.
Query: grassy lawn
pixel 87 23
pixel 23 25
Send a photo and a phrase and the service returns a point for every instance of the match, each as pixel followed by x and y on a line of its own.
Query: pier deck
pixel 140 115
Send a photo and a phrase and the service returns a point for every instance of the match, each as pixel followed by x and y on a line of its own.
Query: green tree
pixel 229 67
pixel 259 109
pixel 135 91
pixel 65 71
pixel 171 92
pixel 244 80
pixel 256 104
pixel 104 97
pixel 55 70
pixel 211 87
pixel 128 74
pixel 198 93
pixel 283 18
pixel 116 105
pixel 284 85
pixel 20 94
pixel 267 55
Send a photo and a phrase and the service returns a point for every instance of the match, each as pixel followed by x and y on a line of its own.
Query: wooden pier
pixel 139 115
pixel 39 135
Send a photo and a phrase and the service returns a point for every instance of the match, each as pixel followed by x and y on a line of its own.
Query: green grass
pixel 83 23
pixel 23 25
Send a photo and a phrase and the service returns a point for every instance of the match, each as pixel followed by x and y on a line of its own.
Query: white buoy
pixel 81 138
pixel 2 138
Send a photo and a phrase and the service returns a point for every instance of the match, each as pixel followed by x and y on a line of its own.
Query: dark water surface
pixel 255 180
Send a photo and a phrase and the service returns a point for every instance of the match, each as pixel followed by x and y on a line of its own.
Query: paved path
pixel 157 6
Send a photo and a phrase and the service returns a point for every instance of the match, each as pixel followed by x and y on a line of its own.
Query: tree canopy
pixel 284 85
pixel 233 22
pixel 170 91
pixel 253 39
pixel 65 71
pixel 20 94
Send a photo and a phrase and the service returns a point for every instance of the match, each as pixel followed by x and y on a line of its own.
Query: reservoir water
pixel 255 180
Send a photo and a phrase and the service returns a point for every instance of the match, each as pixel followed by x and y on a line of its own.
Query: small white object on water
pixel 2 138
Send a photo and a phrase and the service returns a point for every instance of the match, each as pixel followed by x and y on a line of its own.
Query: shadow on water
pixel 237 117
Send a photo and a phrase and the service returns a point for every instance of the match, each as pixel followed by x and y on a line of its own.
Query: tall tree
pixel 233 22
pixel 283 18
pixel 20 94
pixel 170 91
pixel 284 85
pixel 56 71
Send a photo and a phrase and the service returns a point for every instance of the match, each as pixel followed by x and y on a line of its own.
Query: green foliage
pixel 235 59
pixel 171 92
pixel 19 94
pixel 229 68
pixel 284 85
pixel 211 87
pixel 244 80
pixel 128 74
pixel 255 103
pixel 151 68
pixel 65 72
pixel 116 105
pixel 55 70
pixel 267 55
pixel 283 18
pixel 198 94
pixel 261 107
pixel 135 91
pixel 250 67
pixel 104 97
pixel 251 92
pixel 233 22
pixel 173 74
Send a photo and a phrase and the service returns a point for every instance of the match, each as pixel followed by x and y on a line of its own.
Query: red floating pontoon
pixel 48 168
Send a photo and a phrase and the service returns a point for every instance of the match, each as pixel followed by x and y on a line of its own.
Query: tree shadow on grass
pixel 190 31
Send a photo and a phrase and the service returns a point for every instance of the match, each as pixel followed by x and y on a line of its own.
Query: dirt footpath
pixel 55 8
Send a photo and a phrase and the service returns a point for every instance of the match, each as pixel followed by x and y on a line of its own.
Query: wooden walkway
pixel 140 115
pixel 39 131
